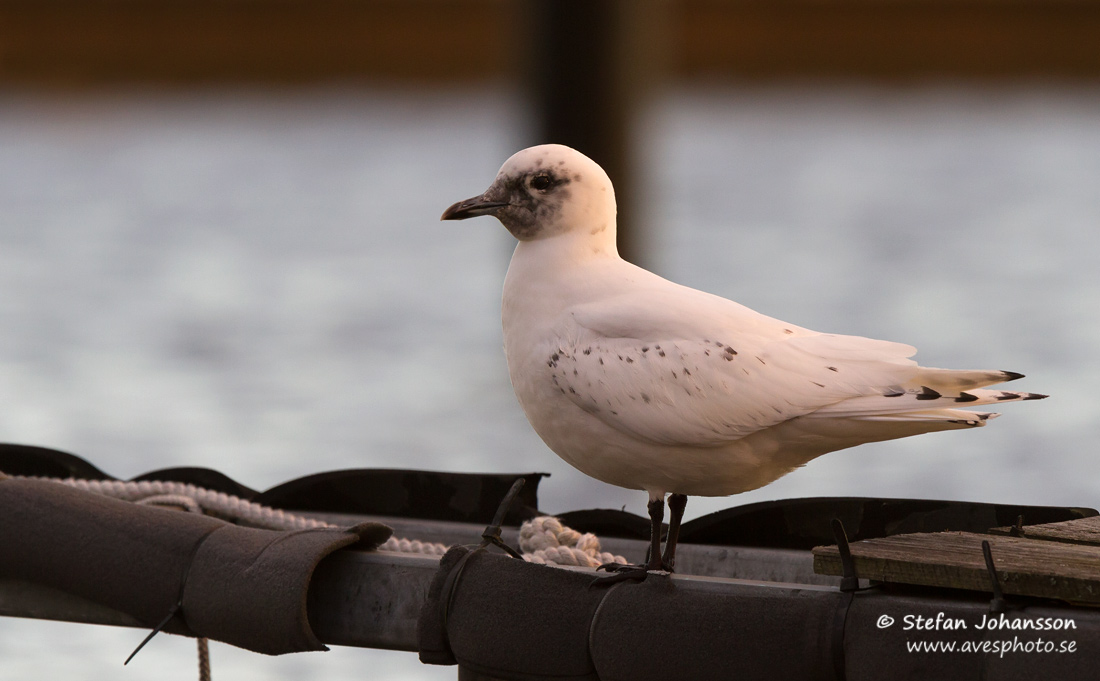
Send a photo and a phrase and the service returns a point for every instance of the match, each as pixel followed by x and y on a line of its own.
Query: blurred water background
pixel 258 282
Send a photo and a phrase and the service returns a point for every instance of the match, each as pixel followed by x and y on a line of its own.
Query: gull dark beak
pixel 471 208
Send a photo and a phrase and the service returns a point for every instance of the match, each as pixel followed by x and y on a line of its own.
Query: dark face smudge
pixel 531 210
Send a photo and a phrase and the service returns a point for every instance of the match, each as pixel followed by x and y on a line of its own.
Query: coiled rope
pixel 546 541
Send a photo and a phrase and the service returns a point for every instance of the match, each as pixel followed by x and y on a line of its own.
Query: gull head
pixel 545 191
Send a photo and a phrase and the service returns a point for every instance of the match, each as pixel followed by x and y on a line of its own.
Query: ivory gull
pixel 646 384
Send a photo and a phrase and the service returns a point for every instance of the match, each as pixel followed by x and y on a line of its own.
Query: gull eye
pixel 541 182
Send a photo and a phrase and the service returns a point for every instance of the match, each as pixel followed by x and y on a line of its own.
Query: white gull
pixel 647 384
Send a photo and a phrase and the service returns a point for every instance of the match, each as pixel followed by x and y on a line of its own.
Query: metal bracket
pixel 491 535
pixel 997 605
pixel 850 580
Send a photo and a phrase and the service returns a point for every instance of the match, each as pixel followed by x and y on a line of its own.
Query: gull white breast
pixel 646 384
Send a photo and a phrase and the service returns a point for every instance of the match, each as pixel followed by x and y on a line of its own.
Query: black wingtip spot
pixel 1012 375
pixel 1036 396
pixel 966 397
pixel 928 394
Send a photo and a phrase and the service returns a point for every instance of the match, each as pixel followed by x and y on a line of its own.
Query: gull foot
pixel 619 572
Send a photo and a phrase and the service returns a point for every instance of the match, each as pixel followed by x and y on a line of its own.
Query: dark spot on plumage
pixel 657 346
pixel 629 360
pixel 832 368
pixel 985 417
pixel 576 178
pixel 1006 396
pixel 601 360
pixel 574 372
pixel 620 358
pixel 731 351
pixel 777 410
pixel 706 341
pixel 893 392
pixel 573 391
pixel 588 351
pixel 661 352
pixel 555 356
pixel 820 385
pixel 645 398
pixel 927 393
pixel 787 331
pixel 963 422
pixel 706 352
pixel 645 348
pixel 761 361
pixel 686 372
pixel 674 374
pixel 1035 396
pixel 614 413
pixel 966 397
pixel 561 390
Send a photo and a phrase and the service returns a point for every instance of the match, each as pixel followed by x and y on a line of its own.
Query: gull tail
pixel 932 396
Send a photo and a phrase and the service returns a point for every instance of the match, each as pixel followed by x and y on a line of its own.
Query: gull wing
pixel 738 372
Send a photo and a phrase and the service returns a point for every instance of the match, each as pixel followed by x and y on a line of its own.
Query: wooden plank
pixel 954 560
pixel 1080 531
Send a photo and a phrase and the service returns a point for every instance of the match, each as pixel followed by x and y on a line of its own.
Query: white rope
pixel 227 506
pixel 542 540
pixel 545 540
pixel 175 500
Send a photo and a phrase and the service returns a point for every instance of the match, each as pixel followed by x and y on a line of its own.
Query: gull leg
pixel 656 516
pixel 676 505
pixel 638 573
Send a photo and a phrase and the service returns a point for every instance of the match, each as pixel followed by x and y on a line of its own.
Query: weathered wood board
pixel 1026 567
pixel 1082 531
